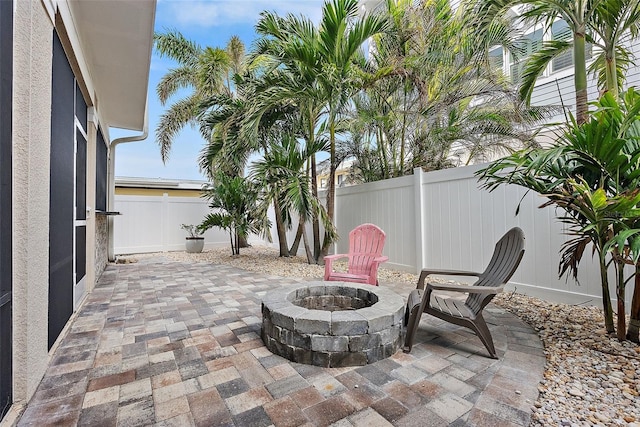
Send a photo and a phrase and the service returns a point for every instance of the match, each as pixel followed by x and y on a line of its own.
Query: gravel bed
pixel 590 378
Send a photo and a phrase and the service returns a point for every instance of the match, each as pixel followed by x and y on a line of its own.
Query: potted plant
pixel 195 241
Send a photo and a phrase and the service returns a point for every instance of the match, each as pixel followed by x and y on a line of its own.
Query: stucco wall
pixel 31 137
pixel 102 244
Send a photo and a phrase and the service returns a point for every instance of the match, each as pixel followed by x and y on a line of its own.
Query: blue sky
pixel 209 23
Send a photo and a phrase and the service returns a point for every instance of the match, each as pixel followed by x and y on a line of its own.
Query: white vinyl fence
pixel 152 224
pixel 437 219
pixel 443 219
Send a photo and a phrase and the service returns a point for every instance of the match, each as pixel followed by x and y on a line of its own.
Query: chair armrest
pixel 427 272
pixel 465 288
pixel 373 273
pixel 328 264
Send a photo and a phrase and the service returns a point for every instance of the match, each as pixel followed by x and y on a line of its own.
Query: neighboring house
pixel 69 71
pixel 128 186
pixel 556 86
pixel 344 174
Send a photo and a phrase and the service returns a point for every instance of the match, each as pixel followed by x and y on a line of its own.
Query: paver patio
pixel 167 343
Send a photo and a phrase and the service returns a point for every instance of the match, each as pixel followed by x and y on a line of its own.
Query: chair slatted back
pixel 365 243
pixel 504 262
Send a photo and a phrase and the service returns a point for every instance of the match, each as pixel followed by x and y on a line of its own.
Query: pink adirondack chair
pixel 365 255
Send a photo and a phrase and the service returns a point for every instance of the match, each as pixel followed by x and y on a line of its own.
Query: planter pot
pixel 195 245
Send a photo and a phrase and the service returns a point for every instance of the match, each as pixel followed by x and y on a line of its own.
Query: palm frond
pixel 537 62
pixel 174 45
pixel 174 80
pixel 178 115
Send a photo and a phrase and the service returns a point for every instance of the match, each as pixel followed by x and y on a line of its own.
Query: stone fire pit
pixel 332 324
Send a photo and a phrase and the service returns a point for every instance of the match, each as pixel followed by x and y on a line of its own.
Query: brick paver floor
pixel 166 343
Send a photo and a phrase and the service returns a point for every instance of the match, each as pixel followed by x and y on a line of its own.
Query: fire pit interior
pixel 332 324
pixel 335 298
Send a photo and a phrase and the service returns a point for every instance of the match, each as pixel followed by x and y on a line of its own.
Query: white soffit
pixel 117 39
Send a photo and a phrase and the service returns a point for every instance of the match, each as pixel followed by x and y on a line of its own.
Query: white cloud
pixel 223 12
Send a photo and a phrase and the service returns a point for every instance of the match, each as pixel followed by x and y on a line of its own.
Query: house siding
pixel 560 91
pixel 633 76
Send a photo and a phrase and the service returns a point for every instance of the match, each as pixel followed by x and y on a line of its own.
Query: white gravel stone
pixel 576 392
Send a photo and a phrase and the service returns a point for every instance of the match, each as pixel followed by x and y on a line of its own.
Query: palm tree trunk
pixel 580 75
pixel 404 130
pixel 620 294
pixel 307 248
pixel 633 331
pixel 315 224
pixel 612 75
pixel 280 228
pixel 383 154
pixel 316 219
pixel 606 296
pixel 296 242
pixel 242 241
pixel 331 192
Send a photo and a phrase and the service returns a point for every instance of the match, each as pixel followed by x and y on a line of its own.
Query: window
pixel 323 182
pixel 561 31
pixel 62 195
pixel 496 59
pixel 101 173
pixel 340 179
pixel 527 45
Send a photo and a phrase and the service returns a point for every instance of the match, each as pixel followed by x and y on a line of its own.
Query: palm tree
pixel 258 119
pixel 322 58
pixel 202 70
pixel 236 208
pixel 616 21
pixel 592 215
pixel 577 14
pixel 590 164
pixel 220 126
pixel 237 60
pixel 432 70
pixel 282 175
pixel 341 35
pixel 288 83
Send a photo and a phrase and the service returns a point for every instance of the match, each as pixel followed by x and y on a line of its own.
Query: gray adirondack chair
pixel 468 313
